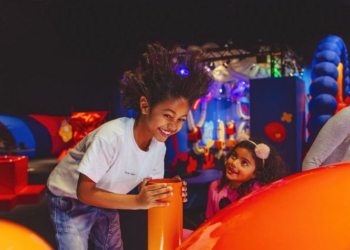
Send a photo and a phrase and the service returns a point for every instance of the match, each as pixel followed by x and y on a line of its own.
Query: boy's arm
pixel 88 193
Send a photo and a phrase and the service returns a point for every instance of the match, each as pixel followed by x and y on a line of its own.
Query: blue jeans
pixel 75 223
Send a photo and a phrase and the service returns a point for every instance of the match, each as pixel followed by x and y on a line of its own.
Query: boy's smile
pixel 164 132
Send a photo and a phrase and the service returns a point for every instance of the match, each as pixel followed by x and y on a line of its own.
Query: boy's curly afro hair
pixel 164 74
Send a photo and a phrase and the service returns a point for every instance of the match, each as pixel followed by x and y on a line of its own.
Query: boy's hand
pixel 150 195
pixel 184 188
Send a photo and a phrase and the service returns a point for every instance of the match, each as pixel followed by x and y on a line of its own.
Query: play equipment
pixel 14 188
pixel 23 137
pixel 78 126
pixel 195 129
pixel 277 116
pixel 165 224
pixel 32 135
pixel 45 136
pixel 330 83
pixel 307 210
pixel 17 237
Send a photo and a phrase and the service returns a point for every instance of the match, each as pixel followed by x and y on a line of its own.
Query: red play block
pixel 7 202
pixel 13 174
pixel 14 188
pixel 31 194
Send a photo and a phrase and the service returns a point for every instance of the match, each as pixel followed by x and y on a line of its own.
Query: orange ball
pixel 306 210
pixel 17 237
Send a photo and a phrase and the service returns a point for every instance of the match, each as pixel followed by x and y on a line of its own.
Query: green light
pixel 276 72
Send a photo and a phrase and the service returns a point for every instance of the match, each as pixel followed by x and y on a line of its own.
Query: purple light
pixel 183 71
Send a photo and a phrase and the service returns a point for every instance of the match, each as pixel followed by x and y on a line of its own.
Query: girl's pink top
pixel 218 199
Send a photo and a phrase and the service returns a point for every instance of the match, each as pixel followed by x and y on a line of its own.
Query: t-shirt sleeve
pixel 209 212
pixel 97 159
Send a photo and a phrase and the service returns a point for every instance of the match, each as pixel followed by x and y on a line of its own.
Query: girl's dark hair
pixel 164 74
pixel 267 171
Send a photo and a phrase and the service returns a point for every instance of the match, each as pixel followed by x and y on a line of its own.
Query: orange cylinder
pixel 165 224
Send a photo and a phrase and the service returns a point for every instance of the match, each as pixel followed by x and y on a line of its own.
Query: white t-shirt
pixel 110 157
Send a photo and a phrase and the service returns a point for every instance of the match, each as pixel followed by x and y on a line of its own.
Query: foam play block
pixel 31 194
pixel 13 173
pixel 7 202
pixel 14 188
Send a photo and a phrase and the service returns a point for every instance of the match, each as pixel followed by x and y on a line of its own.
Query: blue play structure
pixel 329 88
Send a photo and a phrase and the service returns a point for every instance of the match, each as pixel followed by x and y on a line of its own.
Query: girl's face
pixel 167 118
pixel 240 167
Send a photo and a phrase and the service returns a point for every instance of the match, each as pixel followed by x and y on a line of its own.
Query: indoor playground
pixel 263 92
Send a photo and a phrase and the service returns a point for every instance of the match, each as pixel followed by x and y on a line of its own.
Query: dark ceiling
pixel 104 29
pixel 63 55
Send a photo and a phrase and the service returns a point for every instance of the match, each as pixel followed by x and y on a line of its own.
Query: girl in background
pixel 249 166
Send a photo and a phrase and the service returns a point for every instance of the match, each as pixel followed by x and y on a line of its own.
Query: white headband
pixel 261 150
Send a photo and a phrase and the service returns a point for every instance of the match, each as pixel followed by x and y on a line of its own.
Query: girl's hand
pixel 184 188
pixel 150 195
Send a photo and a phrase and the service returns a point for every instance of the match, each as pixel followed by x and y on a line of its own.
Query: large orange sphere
pixel 17 237
pixel 307 210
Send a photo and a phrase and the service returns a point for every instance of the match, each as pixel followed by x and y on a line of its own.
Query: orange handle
pixel 165 224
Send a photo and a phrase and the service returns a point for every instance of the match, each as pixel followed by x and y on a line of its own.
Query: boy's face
pixel 167 118
pixel 240 167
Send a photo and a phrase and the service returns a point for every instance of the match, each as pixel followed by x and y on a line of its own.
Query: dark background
pixel 59 56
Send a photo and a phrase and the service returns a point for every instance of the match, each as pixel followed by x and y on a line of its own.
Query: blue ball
pixel 327 56
pixel 315 123
pixel 329 46
pixel 324 85
pixel 323 104
pixel 324 69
